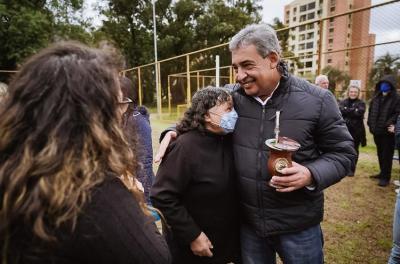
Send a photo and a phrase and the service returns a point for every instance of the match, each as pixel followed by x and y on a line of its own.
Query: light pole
pixel 158 92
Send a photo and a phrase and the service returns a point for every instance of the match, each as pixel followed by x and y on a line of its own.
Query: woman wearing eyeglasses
pixel 195 184
pixel 136 125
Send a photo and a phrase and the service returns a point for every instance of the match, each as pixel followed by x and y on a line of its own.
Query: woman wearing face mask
pixel 195 184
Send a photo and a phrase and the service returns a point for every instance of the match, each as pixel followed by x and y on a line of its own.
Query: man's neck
pixel 269 92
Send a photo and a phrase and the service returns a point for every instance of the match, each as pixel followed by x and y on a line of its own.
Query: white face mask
pixel 228 121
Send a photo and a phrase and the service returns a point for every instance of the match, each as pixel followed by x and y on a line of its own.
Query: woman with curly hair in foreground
pixel 66 192
pixel 195 185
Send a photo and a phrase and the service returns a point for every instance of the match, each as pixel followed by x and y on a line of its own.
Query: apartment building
pixel 338 34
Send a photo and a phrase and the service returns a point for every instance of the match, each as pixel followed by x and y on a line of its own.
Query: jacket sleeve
pixel 172 180
pixel 171 128
pixel 335 145
pixel 357 111
pixel 114 229
pixel 396 111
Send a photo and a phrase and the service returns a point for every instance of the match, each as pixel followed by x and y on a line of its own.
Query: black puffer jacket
pixel 383 110
pixel 353 114
pixel 309 115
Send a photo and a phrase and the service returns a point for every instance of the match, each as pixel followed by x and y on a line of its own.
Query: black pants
pixel 385 148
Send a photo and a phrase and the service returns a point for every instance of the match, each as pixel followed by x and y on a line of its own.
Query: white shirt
pixel 266 100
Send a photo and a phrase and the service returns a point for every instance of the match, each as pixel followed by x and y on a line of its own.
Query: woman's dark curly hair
pixel 60 136
pixel 202 101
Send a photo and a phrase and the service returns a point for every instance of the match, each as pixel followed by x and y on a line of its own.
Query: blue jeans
pixel 301 247
pixel 395 255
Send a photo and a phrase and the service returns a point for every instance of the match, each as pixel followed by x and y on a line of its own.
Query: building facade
pixel 341 38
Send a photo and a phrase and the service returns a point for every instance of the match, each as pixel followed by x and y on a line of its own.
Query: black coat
pixel 353 114
pixel 383 110
pixel 111 229
pixel 310 116
pixel 195 189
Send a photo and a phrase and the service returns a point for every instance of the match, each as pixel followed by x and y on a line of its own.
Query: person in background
pixel 395 253
pixel 353 110
pixel 66 170
pixel 195 185
pixel 383 111
pixel 136 125
pixel 322 81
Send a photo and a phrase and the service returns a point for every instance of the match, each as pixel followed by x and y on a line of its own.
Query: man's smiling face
pixel 257 75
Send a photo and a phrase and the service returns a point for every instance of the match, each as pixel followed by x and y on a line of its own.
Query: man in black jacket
pixel 287 219
pixel 284 220
pixel 383 111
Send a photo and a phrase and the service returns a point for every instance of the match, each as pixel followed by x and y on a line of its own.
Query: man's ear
pixel 274 58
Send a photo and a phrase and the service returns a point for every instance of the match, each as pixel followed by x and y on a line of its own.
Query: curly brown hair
pixel 202 101
pixel 60 136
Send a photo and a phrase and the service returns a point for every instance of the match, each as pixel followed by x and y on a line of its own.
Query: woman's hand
pixel 201 246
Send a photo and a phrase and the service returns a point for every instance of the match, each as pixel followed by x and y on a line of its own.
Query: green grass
pixel 358 214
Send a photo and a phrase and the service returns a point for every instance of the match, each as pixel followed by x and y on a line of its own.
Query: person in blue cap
pixel 383 112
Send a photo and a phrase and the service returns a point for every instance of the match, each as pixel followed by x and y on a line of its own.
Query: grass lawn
pixel 358 217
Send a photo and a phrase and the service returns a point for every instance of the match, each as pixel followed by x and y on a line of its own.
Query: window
pixel 301 46
pixel 302 18
pixel 330 41
pixel 302 28
pixel 310 45
pixel 331 19
pixel 302 8
pixel 294 10
pixel 287 21
pixel 294 18
pixel 293 37
pixel 311 5
pixel 310 26
pixel 331 30
pixel 310 35
pixel 302 37
pixel 311 15
pixel 308 64
pixel 329 60
pixel 346 63
pixel 333 9
pixel 293 47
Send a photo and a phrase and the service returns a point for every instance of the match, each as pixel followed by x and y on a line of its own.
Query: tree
pixel 336 78
pixel 386 64
pixel 25 27
pixel 182 26
pixel 28 26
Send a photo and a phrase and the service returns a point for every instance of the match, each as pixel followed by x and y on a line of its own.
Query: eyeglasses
pixel 125 100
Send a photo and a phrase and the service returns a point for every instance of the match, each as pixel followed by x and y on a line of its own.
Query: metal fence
pixel 350 41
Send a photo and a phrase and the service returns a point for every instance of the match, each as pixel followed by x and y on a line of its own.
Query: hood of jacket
pixel 391 79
